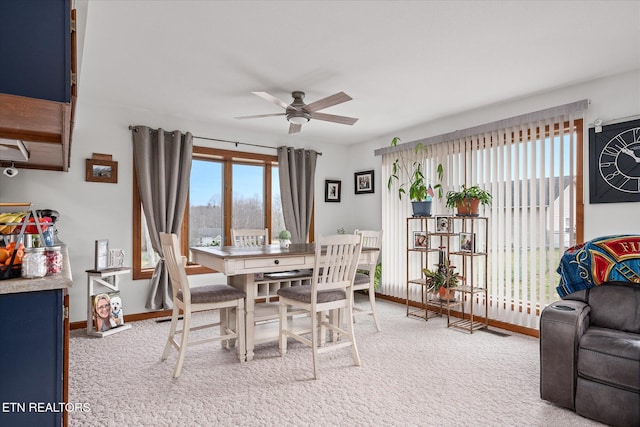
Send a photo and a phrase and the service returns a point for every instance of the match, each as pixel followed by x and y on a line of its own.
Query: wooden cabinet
pixel 38 80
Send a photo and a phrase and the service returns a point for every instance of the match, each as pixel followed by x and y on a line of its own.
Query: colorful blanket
pixel 609 258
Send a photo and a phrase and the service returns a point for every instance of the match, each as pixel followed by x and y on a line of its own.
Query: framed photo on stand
pixel 101 255
pixel 467 242
pixel 444 225
pixel 420 240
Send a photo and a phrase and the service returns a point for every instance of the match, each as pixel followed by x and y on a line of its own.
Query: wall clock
pixel 614 163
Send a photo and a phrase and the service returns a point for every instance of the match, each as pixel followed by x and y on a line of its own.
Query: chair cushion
pixel 361 279
pixel 303 294
pixel 213 293
pixel 610 357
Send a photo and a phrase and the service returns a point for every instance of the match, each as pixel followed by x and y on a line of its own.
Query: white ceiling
pixel 403 62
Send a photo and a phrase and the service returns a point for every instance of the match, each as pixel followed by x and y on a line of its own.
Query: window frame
pixel 228 159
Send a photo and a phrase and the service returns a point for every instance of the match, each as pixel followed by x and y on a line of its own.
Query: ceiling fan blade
pixel 260 115
pixel 334 99
pixel 294 128
pixel 333 118
pixel 273 99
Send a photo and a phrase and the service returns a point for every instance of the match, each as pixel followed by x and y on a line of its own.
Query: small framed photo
pixel 420 240
pixel 116 258
pixel 107 311
pixel 331 191
pixel 101 255
pixel 101 168
pixel 444 224
pixel 363 182
pixel 467 242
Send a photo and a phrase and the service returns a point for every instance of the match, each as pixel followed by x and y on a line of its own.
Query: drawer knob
pixel 276 262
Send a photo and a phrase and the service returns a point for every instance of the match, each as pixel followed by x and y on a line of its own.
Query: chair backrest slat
pixel 173 261
pixel 336 259
pixel 248 237
pixel 370 239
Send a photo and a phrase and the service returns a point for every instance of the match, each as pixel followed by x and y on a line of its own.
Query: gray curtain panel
pixel 297 169
pixel 163 166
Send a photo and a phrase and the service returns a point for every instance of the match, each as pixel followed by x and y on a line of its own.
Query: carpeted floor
pixel 413 373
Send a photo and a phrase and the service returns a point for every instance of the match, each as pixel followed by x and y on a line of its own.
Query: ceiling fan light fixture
pixel 298 117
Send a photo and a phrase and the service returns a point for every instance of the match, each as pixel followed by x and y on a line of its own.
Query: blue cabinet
pixel 38 81
pixel 32 358
pixel 35 47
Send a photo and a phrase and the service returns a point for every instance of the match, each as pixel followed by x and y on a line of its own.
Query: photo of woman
pixel 103 318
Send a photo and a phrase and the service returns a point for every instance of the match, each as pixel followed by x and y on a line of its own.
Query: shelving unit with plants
pixel 471 257
pixel 427 251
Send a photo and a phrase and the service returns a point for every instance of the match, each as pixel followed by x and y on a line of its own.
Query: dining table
pixel 242 265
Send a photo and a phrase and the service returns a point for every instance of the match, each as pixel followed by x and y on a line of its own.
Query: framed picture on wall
pixel 101 168
pixel 363 182
pixel 331 190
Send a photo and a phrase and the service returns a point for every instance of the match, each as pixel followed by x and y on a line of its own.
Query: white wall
pixel 91 211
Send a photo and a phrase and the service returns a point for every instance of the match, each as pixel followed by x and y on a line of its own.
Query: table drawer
pixel 270 262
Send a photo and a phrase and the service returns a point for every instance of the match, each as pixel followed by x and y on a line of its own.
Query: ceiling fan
pixel 299 113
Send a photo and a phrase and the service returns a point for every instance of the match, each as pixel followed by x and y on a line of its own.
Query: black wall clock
pixel 614 163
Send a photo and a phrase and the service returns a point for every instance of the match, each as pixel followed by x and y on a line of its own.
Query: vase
pixel 421 208
pixel 447 294
pixel 468 207
pixel 285 243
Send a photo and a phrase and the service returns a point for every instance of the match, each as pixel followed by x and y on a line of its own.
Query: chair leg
pixel 352 335
pixel 225 321
pixel 240 331
pixel 314 343
pixel 175 314
pixel 372 300
pixel 282 338
pixel 186 325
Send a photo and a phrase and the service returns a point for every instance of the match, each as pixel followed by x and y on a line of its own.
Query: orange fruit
pixel 4 254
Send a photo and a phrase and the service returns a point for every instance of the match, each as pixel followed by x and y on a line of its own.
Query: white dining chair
pixel 336 259
pixel 365 276
pixel 223 298
pixel 248 237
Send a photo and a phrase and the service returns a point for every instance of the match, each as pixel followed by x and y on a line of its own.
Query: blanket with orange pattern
pixel 605 259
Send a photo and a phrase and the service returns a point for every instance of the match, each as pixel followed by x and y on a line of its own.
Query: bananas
pixel 10 220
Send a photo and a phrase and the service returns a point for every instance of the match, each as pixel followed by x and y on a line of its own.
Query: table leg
pixel 245 283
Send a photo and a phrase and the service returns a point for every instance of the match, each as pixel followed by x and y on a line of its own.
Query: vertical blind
pixel 529 164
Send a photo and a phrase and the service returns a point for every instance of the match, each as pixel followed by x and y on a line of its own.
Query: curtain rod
pixel 234 142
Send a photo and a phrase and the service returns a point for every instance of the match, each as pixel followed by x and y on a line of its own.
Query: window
pixel 534 172
pixel 227 189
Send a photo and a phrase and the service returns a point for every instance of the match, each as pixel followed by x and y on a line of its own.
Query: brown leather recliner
pixel 590 353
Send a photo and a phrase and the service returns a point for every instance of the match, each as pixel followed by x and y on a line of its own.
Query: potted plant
pixel 442 281
pixel 467 201
pixel 285 238
pixel 417 185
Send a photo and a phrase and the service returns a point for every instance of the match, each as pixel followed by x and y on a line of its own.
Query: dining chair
pixel 365 276
pixel 247 237
pixel 336 260
pixel 223 298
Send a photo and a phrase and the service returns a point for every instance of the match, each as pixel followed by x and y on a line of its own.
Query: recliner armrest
pixel 561 326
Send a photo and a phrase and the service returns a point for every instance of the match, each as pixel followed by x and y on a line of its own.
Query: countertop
pixel 57 281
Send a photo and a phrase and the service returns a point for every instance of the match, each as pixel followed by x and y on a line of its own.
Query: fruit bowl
pixel 10 271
